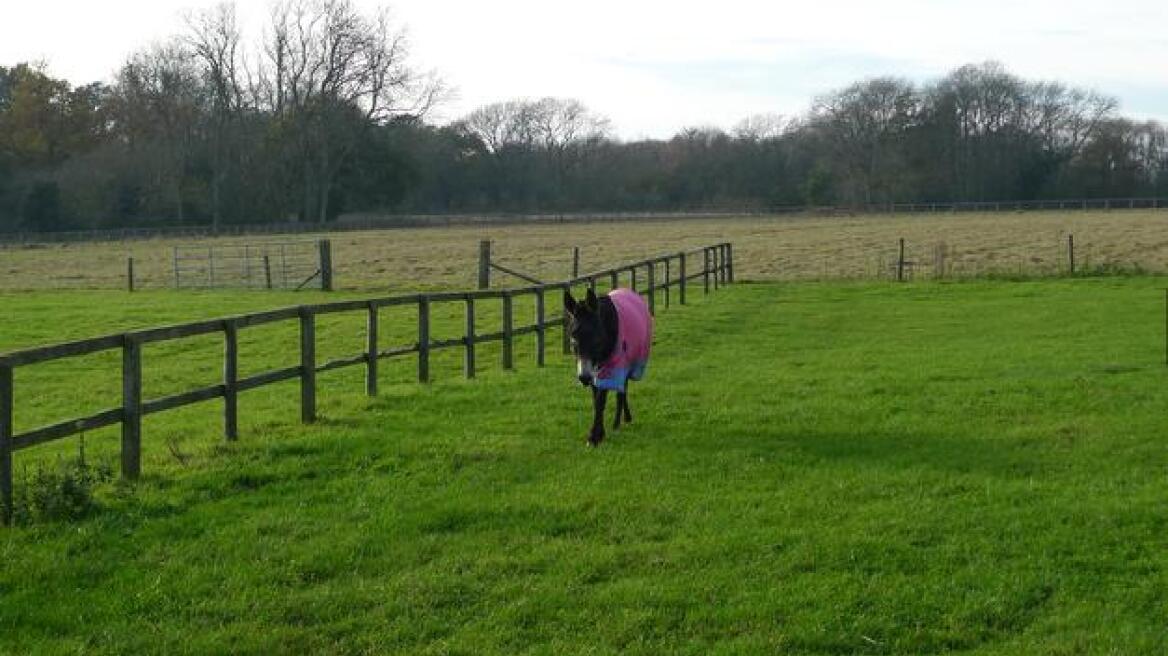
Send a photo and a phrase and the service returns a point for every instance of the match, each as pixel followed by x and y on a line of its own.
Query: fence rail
pixel 717 269
pixel 401 221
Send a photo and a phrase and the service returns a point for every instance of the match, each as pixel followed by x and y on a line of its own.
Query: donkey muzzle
pixel 584 372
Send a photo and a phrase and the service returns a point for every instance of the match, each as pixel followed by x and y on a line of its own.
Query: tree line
pixel 327 114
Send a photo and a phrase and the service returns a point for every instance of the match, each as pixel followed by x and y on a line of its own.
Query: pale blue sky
pixel 655 67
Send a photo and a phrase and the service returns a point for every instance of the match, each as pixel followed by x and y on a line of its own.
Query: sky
pixel 655 67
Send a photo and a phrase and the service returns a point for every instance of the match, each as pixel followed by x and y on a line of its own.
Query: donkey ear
pixel 569 302
pixel 590 301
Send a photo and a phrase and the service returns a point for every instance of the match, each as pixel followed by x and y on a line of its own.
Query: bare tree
pixel 330 72
pixel 214 37
pixel 528 137
pixel 865 124
pixel 761 127
pixel 159 99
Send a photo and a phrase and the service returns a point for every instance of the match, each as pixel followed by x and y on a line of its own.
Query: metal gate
pixel 270 265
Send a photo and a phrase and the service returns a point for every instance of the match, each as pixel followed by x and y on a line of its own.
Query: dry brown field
pixel 766 248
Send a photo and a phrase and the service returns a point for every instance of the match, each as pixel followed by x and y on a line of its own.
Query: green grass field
pixel 973 467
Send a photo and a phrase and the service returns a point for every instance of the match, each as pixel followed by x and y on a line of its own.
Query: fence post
pixel 633 278
pixel 668 293
pixel 130 274
pixel 371 330
pixel 730 262
pixel 900 262
pixel 575 262
pixel 6 430
pixel 652 288
pixel 177 277
pixel 615 280
pixel 131 409
pixel 1071 252
pixel 540 333
pixel 307 365
pixel 508 332
pixel 230 381
pixel 706 269
pixel 326 265
pixel 468 365
pixel 681 278
pixel 567 337
pixel 715 258
pixel 484 264
pixel 423 339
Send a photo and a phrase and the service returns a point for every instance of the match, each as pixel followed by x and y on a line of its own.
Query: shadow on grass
pixel 882 449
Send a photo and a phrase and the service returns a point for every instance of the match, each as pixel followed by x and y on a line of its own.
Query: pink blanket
pixel 634 336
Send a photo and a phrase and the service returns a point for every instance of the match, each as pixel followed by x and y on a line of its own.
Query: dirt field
pixel 786 248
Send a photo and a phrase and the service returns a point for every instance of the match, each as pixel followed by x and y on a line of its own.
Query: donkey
pixel 610 337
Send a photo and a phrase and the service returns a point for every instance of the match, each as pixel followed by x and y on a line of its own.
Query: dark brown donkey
pixel 610 337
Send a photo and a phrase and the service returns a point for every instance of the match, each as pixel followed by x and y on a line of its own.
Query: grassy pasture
pixel 774 248
pixel 814 468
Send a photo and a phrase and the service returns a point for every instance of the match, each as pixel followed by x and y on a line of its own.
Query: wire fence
pixel 905 260
pixel 271 265
pixel 387 221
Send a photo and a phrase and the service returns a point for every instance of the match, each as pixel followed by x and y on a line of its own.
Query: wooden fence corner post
pixel 326 265
pixel 131 408
pixel 307 365
pixel 681 278
pixel 540 330
pixel 6 432
pixel 469 364
pixel 484 264
pixel 371 355
pixel 230 381
pixel 730 261
pixel 130 274
pixel 508 332
pixel 575 262
pixel 423 339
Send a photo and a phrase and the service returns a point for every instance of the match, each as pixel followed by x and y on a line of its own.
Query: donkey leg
pixel 620 408
pixel 625 406
pixel 599 400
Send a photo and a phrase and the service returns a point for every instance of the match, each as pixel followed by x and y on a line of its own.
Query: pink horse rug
pixel 634 336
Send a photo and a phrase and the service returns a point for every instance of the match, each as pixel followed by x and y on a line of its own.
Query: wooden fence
pixel 659 274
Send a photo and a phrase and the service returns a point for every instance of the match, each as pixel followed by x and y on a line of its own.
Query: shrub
pixel 63 491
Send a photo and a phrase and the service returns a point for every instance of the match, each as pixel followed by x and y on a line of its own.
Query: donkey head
pixel 589 336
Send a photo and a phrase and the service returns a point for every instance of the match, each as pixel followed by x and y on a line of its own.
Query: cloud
pixel 654 67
